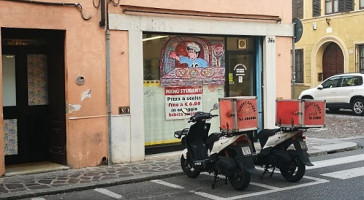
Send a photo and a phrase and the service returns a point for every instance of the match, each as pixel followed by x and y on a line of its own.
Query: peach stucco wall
pixel 119 52
pixel 86 132
pixel 281 8
pixel 86 112
pixel 283 67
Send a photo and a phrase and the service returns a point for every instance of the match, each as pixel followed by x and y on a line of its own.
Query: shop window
pixel 361 58
pixel 180 72
pixel 299 65
pixel 189 72
pixel 297 9
pixel 361 4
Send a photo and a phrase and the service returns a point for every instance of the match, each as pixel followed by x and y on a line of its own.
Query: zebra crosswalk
pixel 310 181
pixel 312 177
pixel 346 174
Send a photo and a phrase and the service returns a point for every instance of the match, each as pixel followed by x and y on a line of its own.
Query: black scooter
pixel 217 153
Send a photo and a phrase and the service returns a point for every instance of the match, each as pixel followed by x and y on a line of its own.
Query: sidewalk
pixel 154 167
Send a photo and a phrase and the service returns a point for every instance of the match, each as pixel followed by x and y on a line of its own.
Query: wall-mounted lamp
pixel 328 21
pixel 314 26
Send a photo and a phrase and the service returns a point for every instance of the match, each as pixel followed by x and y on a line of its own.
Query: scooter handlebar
pixel 201 116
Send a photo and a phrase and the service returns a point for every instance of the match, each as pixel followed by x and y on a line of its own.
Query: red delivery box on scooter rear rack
pixel 301 113
pixel 238 114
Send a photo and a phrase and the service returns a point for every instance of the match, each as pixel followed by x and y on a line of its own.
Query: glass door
pixel 240 72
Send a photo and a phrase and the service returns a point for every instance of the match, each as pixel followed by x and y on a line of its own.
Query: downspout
pixel 108 82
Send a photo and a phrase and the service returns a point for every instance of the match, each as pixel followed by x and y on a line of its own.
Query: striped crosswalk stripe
pixel 346 174
pixel 336 161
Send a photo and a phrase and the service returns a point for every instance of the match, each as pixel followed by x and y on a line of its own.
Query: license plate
pixel 246 151
pixel 303 145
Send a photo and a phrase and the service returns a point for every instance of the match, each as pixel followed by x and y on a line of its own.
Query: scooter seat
pixel 264 134
pixel 213 137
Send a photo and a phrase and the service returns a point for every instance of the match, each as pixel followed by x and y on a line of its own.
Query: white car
pixel 340 91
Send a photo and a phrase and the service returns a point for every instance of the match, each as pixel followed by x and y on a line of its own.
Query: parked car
pixel 340 91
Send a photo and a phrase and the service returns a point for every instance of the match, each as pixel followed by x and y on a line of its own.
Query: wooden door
pixel 333 61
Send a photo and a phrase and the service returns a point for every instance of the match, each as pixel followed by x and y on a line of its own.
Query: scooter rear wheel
pixel 188 169
pixel 240 180
pixel 295 171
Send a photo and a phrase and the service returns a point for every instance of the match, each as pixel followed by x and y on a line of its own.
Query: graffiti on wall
pixel 192 61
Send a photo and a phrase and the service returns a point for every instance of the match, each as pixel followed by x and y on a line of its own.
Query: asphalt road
pixel 334 177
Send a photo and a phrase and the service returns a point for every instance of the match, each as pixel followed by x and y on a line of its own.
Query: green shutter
pixel 316 8
pixel 297 9
pixel 346 5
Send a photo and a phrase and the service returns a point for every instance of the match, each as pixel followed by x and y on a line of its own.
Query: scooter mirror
pixel 216 106
pixel 184 110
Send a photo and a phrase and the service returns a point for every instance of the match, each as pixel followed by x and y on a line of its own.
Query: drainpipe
pixel 108 83
pixel 108 94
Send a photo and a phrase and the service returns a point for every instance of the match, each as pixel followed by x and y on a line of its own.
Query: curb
pixel 334 147
pixel 330 149
pixel 85 186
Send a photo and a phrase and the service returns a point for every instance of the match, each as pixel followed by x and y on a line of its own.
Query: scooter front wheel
pixel 188 169
pixel 240 179
pixel 295 170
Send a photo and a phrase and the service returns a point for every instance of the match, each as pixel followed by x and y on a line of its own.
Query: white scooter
pixel 275 152
pixel 218 153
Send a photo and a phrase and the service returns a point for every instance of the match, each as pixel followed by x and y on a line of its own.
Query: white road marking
pixel 264 186
pixel 38 198
pixel 167 184
pixel 109 193
pixel 277 189
pixel 346 174
pixel 209 196
pixel 336 161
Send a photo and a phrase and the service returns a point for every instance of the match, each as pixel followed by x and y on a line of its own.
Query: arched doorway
pixel 332 61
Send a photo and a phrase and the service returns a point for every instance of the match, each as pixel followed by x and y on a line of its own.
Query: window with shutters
pixel 299 65
pixel 336 6
pixel 361 58
pixel 297 9
pixel 316 8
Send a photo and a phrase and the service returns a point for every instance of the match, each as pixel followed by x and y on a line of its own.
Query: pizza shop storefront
pixel 171 68
pixel 193 72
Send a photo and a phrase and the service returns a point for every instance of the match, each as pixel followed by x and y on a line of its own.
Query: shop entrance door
pixel 240 72
pixel 33 95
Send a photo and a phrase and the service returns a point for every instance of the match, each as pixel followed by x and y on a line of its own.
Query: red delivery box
pixel 238 113
pixel 302 113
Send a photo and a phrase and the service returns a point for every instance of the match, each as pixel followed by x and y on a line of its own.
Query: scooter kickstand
pixel 271 174
pixel 215 181
pixel 265 171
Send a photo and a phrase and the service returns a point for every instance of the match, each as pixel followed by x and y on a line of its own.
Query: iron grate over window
pixel 361 58
pixel 299 65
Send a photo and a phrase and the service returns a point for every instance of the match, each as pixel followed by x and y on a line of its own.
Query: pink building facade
pixel 80 92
